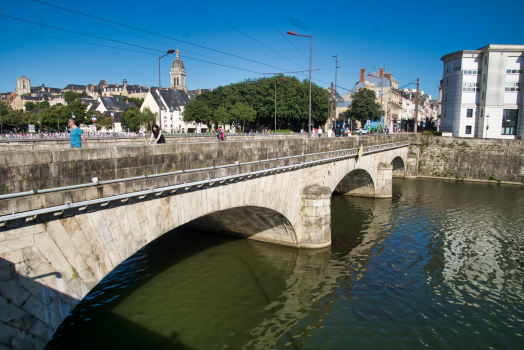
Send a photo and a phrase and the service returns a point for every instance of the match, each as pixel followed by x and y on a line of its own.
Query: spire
pixel 177 52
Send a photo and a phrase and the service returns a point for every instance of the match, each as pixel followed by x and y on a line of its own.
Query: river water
pixel 439 265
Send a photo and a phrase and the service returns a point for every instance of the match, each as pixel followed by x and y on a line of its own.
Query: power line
pixel 81 42
pixel 89 35
pixel 124 43
pixel 119 30
pixel 278 31
pixel 161 35
pixel 241 32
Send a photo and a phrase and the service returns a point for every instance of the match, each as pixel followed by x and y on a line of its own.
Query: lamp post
pixel 278 82
pixel 310 40
pixel 168 53
pixel 336 88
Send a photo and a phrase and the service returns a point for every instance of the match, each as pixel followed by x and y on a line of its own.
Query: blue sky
pixel 407 37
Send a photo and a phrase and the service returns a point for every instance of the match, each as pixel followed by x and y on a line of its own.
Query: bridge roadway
pixel 51 257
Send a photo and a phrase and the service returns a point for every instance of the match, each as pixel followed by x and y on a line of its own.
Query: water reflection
pixel 438 265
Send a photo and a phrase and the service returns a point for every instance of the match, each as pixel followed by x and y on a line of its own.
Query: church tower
pixel 23 85
pixel 178 73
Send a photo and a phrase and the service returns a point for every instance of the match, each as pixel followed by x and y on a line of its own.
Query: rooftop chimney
pixel 381 72
pixel 362 74
pixel 199 91
pixel 388 75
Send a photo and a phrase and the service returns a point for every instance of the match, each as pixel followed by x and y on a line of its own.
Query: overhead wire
pixel 77 41
pixel 278 31
pixel 124 43
pixel 161 35
pixel 119 30
pixel 241 32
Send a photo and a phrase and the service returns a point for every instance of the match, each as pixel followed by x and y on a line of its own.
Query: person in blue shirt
pixel 76 134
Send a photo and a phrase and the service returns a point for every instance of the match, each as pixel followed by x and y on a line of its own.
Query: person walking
pixel 76 134
pixel 319 131
pixel 157 134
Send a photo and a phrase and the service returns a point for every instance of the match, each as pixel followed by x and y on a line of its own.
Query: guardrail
pixel 172 189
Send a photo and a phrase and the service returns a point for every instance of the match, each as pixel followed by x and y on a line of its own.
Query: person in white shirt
pixel 319 131
pixel 330 132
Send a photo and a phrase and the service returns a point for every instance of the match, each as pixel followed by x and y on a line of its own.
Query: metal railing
pixel 173 188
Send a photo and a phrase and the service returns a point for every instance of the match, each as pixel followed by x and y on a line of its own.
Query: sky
pixel 224 42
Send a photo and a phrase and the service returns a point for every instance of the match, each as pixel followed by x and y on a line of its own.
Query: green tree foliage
pixel 19 120
pixel 242 113
pixel 364 106
pixel 137 100
pixel 198 111
pixel 53 115
pixel 292 99
pixel 29 106
pixel 70 96
pixel 133 119
pixel 5 108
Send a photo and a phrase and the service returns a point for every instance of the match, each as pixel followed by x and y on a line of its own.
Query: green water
pixel 439 265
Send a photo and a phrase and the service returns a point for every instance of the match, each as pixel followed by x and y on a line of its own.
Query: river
pixel 439 265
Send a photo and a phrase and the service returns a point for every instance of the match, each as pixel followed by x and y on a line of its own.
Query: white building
pixel 481 94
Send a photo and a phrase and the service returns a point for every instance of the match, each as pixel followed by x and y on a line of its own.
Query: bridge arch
pixel 257 223
pixel 399 167
pixel 358 182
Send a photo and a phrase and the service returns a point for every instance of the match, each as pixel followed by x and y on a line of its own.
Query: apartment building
pixel 481 92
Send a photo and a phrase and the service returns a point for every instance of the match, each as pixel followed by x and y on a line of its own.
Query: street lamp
pixel 168 53
pixel 310 40
pixel 278 82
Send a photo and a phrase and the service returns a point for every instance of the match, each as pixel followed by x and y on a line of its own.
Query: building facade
pixel 481 92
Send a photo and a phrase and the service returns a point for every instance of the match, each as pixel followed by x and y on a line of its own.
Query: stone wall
pixel 40 169
pixel 471 158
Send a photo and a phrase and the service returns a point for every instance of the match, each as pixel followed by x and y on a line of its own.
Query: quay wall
pixel 466 158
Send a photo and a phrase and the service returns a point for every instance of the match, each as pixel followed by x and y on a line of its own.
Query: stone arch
pixel 257 223
pixel 399 168
pixel 358 182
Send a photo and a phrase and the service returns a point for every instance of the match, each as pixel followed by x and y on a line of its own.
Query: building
pixel 178 73
pixel 23 85
pixel 387 91
pixel 481 95
pixel 111 106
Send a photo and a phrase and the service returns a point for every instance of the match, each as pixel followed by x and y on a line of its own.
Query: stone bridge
pixel 52 254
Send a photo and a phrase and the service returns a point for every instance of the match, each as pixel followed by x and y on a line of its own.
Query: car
pixel 362 131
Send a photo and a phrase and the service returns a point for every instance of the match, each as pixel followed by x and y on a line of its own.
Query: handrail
pixel 174 188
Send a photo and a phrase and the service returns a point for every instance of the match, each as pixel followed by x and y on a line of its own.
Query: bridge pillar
pixel 315 217
pixel 384 181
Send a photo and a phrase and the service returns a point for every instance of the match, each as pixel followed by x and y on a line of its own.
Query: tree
pixel 364 106
pixel 242 113
pixel 5 108
pixel 70 96
pixel 197 111
pixel 60 115
pixel 29 106
pixel 137 100
pixel 133 119
pixel 221 116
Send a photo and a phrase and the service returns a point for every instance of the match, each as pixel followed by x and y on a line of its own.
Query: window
pixel 469 113
pixel 509 121
pixel 512 86
pixel 473 71
pixel 448 66
pixel 484 78
pixel 485 60
pixel 483 94
pixel 482 113
pixel 470 87
pixel 445 113
pixel 514 71
pixel 457 65
pixel 468 129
